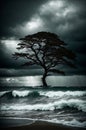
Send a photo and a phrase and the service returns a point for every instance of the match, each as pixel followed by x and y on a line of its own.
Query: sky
pixel 18 18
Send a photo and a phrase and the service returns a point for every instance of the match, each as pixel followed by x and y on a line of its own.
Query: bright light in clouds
pixel 56 4
pixel 57 8
pixel 34 25
pixel 10 44
pixel 51 6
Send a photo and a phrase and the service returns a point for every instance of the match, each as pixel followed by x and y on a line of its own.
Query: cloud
pixel 16 12
pixel 32 26
pixel 62 17
pixel 65 18
pixel 7 48
pixel 10 44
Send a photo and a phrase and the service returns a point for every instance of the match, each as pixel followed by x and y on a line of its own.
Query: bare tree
pixel 45 49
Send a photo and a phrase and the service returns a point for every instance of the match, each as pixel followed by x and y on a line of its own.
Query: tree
pixel 45 49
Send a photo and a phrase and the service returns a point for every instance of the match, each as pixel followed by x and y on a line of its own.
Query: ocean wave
pixel 20 94
pixel 25 93
pixel 3 93
pixel 17 93
pixel 37 93
pixel 62 93
pixel 58 105
pixel 73 122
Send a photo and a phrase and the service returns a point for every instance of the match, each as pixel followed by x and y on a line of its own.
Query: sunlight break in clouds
pixel 32 26
pixel 10 44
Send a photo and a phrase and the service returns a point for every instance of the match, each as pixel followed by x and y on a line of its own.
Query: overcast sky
pixel 66 18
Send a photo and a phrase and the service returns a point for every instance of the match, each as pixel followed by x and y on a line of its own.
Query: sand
pixel 37 125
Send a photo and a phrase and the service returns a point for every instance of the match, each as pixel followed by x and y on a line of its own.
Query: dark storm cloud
pixel 16 12
pixel 67 18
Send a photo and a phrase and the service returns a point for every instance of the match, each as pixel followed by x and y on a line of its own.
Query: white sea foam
pixel 50 94
pixel 62 93
pixel 61 104
pixel 73 122
pixel 16 93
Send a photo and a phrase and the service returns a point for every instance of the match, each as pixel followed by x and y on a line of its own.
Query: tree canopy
pixel 45 49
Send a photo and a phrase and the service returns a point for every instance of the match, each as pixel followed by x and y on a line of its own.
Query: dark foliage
pixel 45 49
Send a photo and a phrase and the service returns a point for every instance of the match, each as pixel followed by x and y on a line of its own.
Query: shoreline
pixel 25 124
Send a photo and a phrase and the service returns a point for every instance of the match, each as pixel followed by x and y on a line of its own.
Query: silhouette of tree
pixel 45 49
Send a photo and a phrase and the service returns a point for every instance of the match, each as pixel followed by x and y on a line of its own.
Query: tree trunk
pixel 44 79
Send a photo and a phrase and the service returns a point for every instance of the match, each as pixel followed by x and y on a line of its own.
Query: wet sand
pixel 37 125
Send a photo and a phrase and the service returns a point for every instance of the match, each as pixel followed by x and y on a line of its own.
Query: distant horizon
pixel 73 80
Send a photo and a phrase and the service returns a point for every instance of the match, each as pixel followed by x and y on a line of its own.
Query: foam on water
pixel 73 122
pixel 61 104
pixel 45 104
pixel 24 93
pixel 62 93
pixel 50 94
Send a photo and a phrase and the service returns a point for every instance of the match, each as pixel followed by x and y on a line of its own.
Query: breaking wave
pixel 73 122
pixel 62 93
pixel 57 105
pixel 50 94
pixel 19 94
pixel 3 93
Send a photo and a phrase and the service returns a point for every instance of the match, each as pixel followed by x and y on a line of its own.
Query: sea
pixel 61 105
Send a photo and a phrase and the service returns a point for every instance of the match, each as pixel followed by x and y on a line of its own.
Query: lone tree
pixel 45 49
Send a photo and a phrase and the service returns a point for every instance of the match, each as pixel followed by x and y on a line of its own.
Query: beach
pixel 39 125
pixel 37 108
